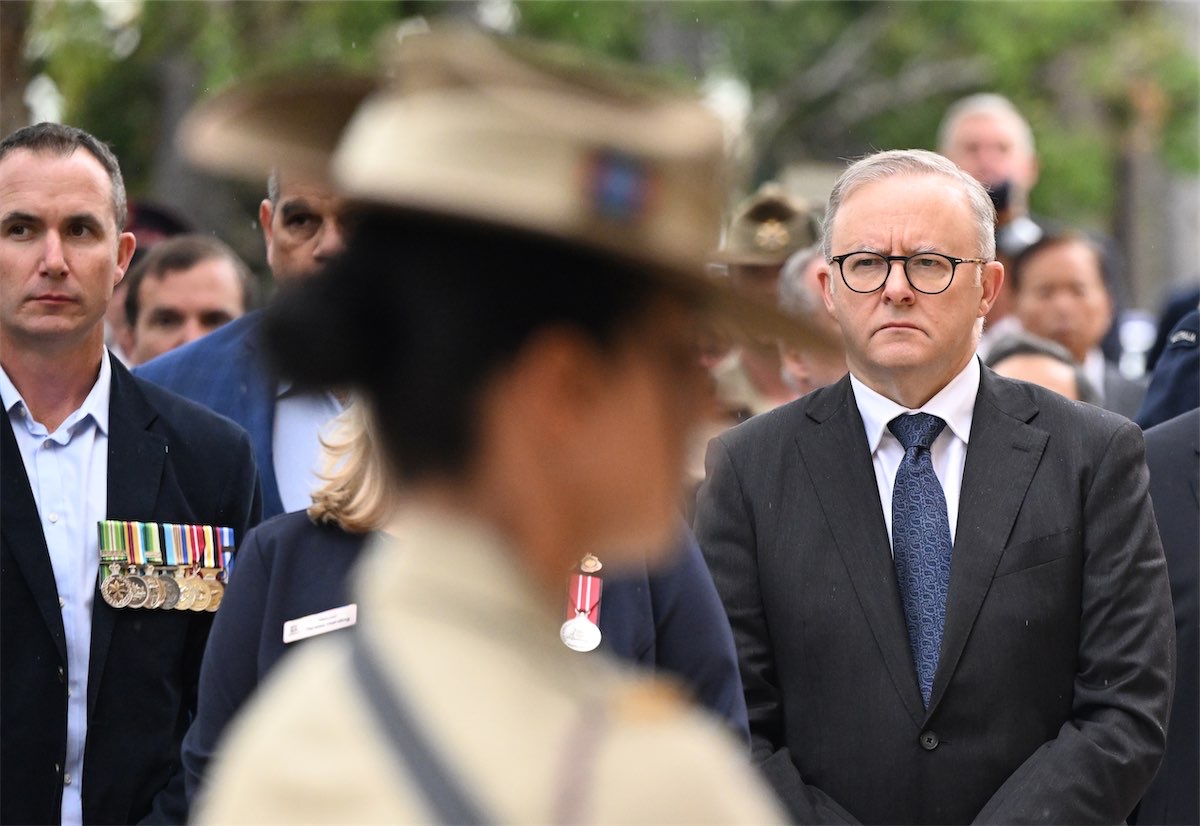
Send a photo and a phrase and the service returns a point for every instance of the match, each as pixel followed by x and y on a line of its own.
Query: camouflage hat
pixel 509 133
pixel 768 227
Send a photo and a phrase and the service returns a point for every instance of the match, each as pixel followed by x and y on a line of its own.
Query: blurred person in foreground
pixel 765 229
pixel 182 290
pixel 302 221
pixel 807 368
pixel 946 587
pixel 292 586
pixel 543 322
pixel 1027 357
pixel 1060 294
pixel 95 693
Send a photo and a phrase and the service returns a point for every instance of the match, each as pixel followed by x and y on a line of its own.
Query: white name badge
pixel 322 623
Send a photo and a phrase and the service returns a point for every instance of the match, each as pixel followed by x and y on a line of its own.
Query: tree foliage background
pixel 1111 87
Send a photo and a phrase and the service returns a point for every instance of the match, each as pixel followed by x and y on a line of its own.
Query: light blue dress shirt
pixel 68 472
pixel 300 419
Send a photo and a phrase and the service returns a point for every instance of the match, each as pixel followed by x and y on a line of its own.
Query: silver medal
pixel 580 634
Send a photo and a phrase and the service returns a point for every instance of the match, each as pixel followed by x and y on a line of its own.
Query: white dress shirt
pixel 954 404
pixel 300 419
pixel 68 473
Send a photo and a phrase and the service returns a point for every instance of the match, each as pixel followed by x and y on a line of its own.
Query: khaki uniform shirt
pixel 532 731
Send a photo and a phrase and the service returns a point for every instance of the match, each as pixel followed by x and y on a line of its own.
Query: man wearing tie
pixel 946 587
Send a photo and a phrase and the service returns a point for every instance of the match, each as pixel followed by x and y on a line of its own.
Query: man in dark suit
pixel 946 587
pixel 1173 456
pixel 94 700
pixel 227 370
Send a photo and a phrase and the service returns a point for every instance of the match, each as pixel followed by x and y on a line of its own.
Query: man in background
pixel 94 699
pixel 185 288
pixel 989 138
pixel 1060 294
pixel 1027 357
pixel 302 224
pixel 766 228
pixel 150 223
pixel 807 368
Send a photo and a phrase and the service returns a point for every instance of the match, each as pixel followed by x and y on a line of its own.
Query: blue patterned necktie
pixel 921 542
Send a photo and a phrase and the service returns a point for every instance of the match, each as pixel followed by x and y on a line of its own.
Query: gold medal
pixel 216 592
pixel 138 591
pixel 154 590
pixel 187 593
pixel 203 595
pixel 115 590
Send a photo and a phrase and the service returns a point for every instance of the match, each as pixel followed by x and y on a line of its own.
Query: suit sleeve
pixel 1104 757
pixel 694 640
pixel 725 529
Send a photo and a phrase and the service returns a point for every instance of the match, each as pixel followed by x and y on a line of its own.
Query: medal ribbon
pixel 112 545
pixel 152 542
pixel 583 597
pixel 225 548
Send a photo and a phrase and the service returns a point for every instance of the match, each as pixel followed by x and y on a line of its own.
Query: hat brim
pixel 251 130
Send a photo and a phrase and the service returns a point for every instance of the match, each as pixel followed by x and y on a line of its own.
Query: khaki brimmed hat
pixel 768 227
pixel 509 133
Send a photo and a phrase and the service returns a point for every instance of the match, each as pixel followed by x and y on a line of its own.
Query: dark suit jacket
pixel 1054 679
pixel 1173 456
pixel 168 460
pixel 670 620
pixel 1175 383
pixel 227 371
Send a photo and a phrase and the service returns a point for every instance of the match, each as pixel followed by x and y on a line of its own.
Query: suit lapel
pixel 135 466
pixel 23 535
pixel 1002 457
pixel 833 444
pixel 254 389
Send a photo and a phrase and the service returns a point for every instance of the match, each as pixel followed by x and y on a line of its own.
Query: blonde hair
pixel 357 494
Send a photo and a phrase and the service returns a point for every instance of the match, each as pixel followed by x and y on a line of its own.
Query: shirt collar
pixel 94 405
pixel 954 404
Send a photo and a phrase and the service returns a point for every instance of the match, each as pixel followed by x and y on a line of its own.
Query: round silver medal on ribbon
pixel 580 634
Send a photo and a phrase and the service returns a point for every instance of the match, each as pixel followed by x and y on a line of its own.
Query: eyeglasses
pixel 927 272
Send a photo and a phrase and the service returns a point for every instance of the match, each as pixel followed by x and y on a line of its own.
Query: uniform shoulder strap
pixel 448 799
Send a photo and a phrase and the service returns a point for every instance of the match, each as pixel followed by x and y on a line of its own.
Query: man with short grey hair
pixel 946 587
pixel 805 369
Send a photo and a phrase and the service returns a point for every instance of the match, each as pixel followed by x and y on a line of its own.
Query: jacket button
pixel 62 675
pixel 929 740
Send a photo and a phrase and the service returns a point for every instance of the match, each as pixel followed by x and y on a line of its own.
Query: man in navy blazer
pixel 94 701
pixel 227 370
pixel 1013 662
